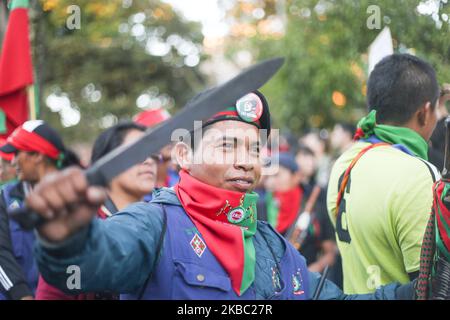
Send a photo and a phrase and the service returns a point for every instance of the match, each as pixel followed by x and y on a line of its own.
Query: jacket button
pixel 200 277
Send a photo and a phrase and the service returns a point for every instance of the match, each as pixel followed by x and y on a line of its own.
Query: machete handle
pixel 29 219
pixel 26 218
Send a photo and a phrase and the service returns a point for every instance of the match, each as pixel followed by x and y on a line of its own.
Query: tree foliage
pixel 122 50
pixel 326 43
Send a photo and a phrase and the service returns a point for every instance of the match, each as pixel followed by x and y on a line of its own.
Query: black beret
pixel 252 108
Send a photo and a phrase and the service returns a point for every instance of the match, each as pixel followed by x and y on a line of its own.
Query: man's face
pixel 26 166
pixel 228 156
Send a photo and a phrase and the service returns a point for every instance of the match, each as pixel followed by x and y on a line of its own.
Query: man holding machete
pixel 199 240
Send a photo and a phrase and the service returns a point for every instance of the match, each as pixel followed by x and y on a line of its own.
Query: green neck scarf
pixel 410 139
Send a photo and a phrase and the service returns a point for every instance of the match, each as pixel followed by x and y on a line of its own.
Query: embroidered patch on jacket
pixel 276 280
pixel 14 205
pixel 198 245
pixel 297 283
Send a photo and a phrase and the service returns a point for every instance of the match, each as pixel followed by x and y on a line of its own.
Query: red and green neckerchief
pixel 227 221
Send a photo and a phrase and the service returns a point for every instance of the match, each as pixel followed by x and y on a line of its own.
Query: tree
pixel 98 59
pixel 325 44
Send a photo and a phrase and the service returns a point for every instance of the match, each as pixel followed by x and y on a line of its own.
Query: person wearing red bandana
pixel 129 187
pixel 199 240
pixel 37 152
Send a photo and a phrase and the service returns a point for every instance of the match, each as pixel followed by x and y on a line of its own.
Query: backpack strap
pixel 435 175
pixel 349 169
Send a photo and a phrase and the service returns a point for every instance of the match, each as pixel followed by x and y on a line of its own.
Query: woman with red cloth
pixel 37 151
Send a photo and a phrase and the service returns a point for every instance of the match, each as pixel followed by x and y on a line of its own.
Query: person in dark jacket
pixel 198 240
pixel 437 140
pixel 38 151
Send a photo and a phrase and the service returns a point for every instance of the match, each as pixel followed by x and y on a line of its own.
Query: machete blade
pixel 209 103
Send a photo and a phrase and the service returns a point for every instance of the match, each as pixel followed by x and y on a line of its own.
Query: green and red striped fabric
pixel 436 241
pixel 210 209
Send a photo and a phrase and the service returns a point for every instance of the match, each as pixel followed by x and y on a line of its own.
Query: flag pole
pixel 31 102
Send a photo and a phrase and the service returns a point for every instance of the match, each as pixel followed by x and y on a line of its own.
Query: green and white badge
pixel 236 215
pixel 249 107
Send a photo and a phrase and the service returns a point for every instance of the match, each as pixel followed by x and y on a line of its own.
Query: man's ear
pixel 183 155
pixel 424 114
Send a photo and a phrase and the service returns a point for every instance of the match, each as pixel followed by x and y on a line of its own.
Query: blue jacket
pixel 183 273
pixel 18 268
pixel 118 255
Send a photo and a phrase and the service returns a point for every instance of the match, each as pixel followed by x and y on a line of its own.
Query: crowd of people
pixel 350 204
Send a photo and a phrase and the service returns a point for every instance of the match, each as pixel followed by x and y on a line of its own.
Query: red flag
pixel 16 72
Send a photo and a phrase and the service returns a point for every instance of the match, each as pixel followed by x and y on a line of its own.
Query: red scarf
pixel 289 205
pixel 211 210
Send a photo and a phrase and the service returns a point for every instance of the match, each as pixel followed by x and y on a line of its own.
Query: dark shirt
pixel 320 228
pixel 437 145
pixel 13 285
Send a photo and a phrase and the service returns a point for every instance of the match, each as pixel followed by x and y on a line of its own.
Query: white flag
pixel 381 47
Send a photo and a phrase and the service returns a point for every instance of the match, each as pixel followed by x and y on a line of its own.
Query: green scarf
pixel 409 138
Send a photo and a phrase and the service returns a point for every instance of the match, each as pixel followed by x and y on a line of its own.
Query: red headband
pixel 24 140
